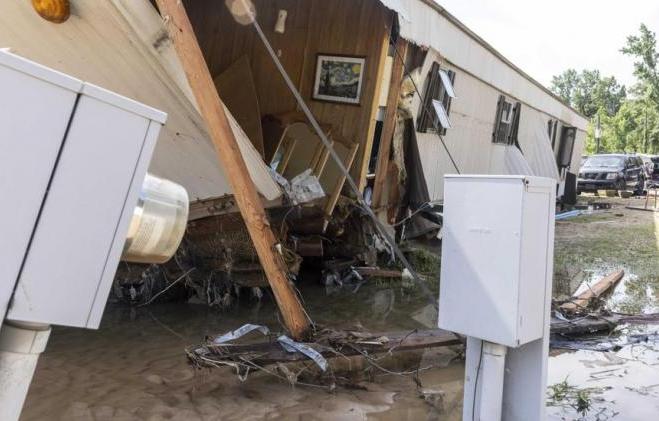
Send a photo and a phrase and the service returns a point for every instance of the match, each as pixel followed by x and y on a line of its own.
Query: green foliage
pixel 565 395
pixel 629 124
pixel 643 48
pixel 588 92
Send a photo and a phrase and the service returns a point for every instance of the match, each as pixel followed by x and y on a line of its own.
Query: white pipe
pixel 490 387
pixel 20 347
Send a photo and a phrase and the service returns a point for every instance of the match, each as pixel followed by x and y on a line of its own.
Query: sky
pixel 544 38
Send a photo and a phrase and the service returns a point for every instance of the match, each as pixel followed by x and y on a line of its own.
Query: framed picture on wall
pixel 339 78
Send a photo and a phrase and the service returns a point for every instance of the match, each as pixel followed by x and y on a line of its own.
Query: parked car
pixel 612 172
pixel 655 170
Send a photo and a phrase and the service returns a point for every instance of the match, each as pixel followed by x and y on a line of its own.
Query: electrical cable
pixel 314 123
pixel 478 371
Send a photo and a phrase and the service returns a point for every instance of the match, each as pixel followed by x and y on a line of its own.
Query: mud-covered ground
pixel 134 367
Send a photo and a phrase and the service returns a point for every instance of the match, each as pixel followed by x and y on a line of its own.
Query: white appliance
pixel 496 277
pixel 73 159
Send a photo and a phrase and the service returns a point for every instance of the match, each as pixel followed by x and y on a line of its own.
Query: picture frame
pixel 339 78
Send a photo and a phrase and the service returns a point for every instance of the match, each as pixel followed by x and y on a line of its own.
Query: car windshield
pixel 604 161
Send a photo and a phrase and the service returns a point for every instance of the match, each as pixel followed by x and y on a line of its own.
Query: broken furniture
pixel 74 160
pixel 496 278
pixel 299 148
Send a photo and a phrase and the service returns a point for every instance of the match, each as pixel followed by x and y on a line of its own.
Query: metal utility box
pixel 71 168
pixel 496 253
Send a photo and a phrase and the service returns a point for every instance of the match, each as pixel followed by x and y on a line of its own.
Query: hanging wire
pixel 351 182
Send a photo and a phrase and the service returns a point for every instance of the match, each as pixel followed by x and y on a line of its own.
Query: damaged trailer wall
pixel 121 45
pixel 469 140
pixel 426 23
pixel 334 27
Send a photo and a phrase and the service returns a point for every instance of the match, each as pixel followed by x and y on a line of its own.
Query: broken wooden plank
pixel 598 323
pixel 595 291
pixel 382 166
pixel 228 152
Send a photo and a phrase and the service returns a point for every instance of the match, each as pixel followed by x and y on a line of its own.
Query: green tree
pixel 589 92
pixel 643 48
pixel 634 128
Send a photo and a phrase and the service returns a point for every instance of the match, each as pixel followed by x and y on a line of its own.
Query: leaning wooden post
pixel 228 153
pixel 397 73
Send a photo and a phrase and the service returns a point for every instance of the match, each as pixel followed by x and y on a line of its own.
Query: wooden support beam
pixel 389 125
pixel 229 155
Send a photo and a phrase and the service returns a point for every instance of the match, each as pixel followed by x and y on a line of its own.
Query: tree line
pixel 628 117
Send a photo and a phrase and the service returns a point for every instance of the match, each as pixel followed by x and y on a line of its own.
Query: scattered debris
pixel 603 343
pixel 569 214
pixel 278 350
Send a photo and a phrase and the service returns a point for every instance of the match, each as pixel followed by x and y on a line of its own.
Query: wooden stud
pixel 389 122
pixel 229 155
pixel 370 134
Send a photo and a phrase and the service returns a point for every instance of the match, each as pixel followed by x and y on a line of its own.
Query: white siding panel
pixel 536 145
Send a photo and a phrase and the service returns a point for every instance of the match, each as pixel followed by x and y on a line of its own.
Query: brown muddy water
pixel 134 367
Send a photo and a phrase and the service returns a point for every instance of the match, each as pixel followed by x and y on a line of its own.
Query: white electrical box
pixel 496 253
pixel 73 157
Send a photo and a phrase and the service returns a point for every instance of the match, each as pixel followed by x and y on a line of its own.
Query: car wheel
pixel 620 185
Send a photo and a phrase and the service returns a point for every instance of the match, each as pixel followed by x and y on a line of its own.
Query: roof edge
pixel 445 13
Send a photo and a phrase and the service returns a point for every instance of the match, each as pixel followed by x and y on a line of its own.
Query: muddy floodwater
pixel 134 367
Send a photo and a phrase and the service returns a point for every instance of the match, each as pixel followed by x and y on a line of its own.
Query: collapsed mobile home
pixel 404 91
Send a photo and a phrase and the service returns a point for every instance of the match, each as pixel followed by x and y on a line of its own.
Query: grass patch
pixel 564 395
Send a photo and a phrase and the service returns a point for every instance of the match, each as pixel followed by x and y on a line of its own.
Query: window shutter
pixel 427 118
pixel 514 126
pixel 497 118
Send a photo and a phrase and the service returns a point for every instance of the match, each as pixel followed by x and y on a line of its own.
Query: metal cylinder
pixel 20 347
pixel 493 367
pixel 158 223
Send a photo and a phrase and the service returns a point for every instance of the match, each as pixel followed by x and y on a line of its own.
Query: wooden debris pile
pixel 328 343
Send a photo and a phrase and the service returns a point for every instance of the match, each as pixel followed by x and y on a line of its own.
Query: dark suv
pixel 612 172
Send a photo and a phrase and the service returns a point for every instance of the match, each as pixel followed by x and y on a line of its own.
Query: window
pixel 568 134
pixel 506 123
pixel 552 128
pixel 436 106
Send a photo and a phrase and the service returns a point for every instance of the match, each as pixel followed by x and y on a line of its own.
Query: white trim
pixel 441 114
